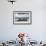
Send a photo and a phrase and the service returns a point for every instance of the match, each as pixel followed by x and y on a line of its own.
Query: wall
pixel 9 31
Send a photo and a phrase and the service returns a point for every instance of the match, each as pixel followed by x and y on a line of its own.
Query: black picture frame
pixel 22 12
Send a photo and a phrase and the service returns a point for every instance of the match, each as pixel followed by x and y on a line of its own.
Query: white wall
pixel 9 31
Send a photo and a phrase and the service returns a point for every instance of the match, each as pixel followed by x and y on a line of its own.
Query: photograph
pixel 22 17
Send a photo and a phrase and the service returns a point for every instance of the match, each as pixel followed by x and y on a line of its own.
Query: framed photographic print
pixel 22 17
